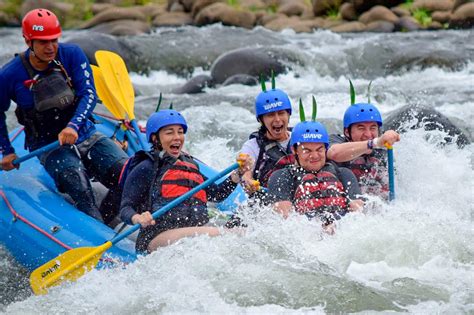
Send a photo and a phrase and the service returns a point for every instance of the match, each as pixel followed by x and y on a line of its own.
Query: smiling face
pixel 44 50
pixel 277 125
pixel 363 131
pixel 172 139
pixel 311 156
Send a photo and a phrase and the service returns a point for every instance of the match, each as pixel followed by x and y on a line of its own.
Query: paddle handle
pixel 143 144
pixel 158 213
pixel 36 152
pixel 391 174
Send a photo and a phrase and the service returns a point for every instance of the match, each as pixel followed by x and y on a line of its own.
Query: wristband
pixel 370 144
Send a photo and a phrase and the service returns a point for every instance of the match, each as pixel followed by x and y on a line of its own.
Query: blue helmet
pixel 271 101
pixel 162 119
pixel 362 112
pixel 309 131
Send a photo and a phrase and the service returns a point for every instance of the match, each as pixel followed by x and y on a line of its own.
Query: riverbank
pixel 128 17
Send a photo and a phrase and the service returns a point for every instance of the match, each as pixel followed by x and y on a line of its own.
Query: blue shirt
pixel 12 88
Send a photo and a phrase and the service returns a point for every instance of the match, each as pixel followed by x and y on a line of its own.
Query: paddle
pixel 117 79
pixel 74 263
pixel 37 152
pixel 110 102
pixel 391 174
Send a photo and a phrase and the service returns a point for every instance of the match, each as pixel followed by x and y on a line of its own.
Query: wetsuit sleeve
pixel 5 145
pixel 281 186
pixel 136 191
pixel 83 83
pixel 350 183
pixel 219 192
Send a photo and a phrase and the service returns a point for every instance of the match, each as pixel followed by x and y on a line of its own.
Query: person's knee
pixel 73 179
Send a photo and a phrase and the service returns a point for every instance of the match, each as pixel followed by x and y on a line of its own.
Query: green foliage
pixel 12 7
pixel 333 13
pixel 423 16
pixel 233 3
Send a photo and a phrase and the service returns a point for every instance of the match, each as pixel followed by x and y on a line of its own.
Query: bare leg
pixel 169 237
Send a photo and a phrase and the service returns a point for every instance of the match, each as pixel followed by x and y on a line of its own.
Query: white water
pixel 414 255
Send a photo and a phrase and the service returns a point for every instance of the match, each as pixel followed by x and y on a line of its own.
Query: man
pixel 361 148
pixel 52 86
pixel 269 146
pixel 312 186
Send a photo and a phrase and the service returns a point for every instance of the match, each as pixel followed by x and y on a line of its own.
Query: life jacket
pixel 319 194
pixel 54 104
pixel 271 157
pixel 371 173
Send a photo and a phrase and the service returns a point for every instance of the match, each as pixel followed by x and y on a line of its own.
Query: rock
pixel 62 8
pixel 463 17
pixel 201 4
pixel 267 18
pixel 252 5
pixel 330 22
pixel 433 5
pixel 187 4
pixel 195 85
pixel 380 27
pixel 295 24
pixel 407 23
pixel 176 7
pixel 96 8
pixel 427 118
pixel 348 11
pixel 227 15
pixel 172 19
pixel 123 28
pixel 243 79
pixel 364 5
pixel 114 14
pixel 249 61
pixel 400 11
pixel 351 27
pixel 378 13
pixel 291 9
pixel 458 3
pixel 152 10
pixel 434 26
pixel 3 19
pixel 321 7
pixel 441 16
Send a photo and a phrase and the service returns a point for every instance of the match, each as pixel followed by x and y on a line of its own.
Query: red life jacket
pixel 320 192
pixel 371 173
pixel 271 157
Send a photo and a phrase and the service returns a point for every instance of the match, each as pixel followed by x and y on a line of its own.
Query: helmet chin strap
pixel 36 56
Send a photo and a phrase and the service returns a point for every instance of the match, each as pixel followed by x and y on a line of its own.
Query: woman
pixel 157 177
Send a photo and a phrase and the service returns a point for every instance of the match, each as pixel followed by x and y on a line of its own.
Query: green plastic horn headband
pixel 315 110
pixel 262 81
pixel 159 104
pixel 353 95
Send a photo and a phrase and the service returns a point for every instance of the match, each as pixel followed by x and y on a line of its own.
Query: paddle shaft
pixel 143 144
pixel 391 175
pixel 158 213
pixel 36 152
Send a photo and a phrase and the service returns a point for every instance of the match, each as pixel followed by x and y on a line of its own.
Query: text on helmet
pixel 312 136
pixel 38 28
pixel 272 105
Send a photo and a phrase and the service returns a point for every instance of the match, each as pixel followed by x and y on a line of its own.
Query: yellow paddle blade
pixel 117 79
pixel 105 95
pixel 68 266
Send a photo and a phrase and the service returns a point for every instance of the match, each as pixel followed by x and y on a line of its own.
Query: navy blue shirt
pixel 12 88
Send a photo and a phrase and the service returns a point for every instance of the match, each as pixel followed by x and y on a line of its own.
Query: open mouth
pixel 277 129
pixel 175 148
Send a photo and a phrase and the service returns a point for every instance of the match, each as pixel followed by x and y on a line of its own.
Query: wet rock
pixel 407 23
pixel 225 14
pixel 433 5
pixel 195 85
pixel 284 22
pixel 427 118
pixel 441 16
pixel 378 13
pixel 351 27
pixel 434 26
pixel 172 19
pixel 123 28
pixel 114 14
pixel 96 8
pixel 458 3
pixel 321 7
pixel 463 17
pixel 348 11
pixel 364 5
pixel 380 27
pixel 291 9
pixel 267 18
pixel 243 79
pixel 400 11
pixel 249 61
pixel 177 7
pixel 201 4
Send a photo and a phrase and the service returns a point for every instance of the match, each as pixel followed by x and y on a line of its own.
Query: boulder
pixel 380 27
pixel 351 27
pixel 400 11
pixel 428 118
pixel 201 4
pixel 96 8
pixel 195 85
pixel 114 14
pixel 348 11
pixel 441 16
pixel 291 9
pixel 433 5
pixel 321 7
pixel 434 26
pixel 176 7
pixel 458 3
pixel 284 22
pixel 225 14
pixel 243 79
pixel 407 24
pixel 463 17
pixel 172 19
pixel 123 28
pixel 268 17
pixel 378 13
pixel 364 5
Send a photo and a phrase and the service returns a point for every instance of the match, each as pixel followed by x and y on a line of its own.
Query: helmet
pixel 362 112
pixel 309 131
pixel 271 101
pixel 40 24
pixel 162 119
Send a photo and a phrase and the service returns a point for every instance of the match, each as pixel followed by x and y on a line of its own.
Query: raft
pixel 37 223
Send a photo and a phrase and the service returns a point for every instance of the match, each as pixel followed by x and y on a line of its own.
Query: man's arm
pixel 280 192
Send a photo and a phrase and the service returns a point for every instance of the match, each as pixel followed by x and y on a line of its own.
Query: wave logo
pixel 272 105
pixel 312 136
pixel 38 28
